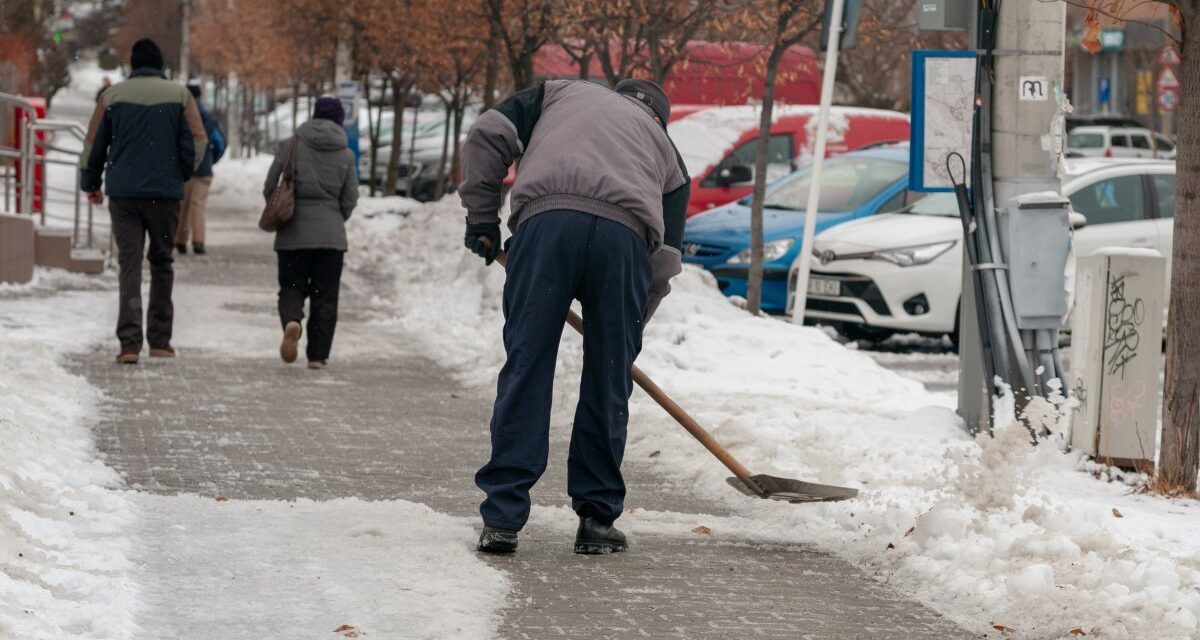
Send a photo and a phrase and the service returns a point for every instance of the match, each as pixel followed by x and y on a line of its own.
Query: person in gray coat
pixel 311 246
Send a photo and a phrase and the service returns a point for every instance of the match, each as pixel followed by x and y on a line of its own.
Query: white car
pixel 1118 142
pixel 902 272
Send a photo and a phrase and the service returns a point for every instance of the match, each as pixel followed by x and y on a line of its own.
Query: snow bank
pixel 988 531
pixel 63 541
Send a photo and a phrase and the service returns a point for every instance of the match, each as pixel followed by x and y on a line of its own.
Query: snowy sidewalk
pixel 385 423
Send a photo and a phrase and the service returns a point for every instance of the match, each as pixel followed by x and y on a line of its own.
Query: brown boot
pixel 127 356
pixel 162 352
pixel 316 364
pixel 290 347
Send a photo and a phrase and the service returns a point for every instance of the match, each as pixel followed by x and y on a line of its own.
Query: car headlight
pixel 771 251
pixel 911 256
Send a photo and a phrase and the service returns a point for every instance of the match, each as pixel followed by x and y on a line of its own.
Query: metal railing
pixel 33 156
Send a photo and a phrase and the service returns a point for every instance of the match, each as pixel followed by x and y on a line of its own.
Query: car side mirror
pixel 734 174
pixel 1077 220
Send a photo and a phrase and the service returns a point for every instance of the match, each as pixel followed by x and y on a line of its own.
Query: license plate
pixel 824 287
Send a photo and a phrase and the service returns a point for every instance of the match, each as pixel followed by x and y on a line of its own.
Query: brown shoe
pixel 162 352
pixel 316 364
pixel 290 346
pixel 127 356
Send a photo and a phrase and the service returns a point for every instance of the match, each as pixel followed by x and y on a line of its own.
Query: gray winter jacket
pixel 587 148
pixel 326 187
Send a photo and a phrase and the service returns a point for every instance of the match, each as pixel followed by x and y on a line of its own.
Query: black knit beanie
pixel 146 55
pixel 649 93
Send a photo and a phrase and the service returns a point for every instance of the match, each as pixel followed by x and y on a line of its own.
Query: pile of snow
pixel 988 531
pixel 239 181
pixel 64 543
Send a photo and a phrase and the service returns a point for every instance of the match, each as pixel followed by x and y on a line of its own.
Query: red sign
pixel 1168 57
pixel 1168 100
pixel 1167 79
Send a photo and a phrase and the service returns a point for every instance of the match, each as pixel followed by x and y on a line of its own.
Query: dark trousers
pixel 133 221
pixel 315 274
pixel 557 257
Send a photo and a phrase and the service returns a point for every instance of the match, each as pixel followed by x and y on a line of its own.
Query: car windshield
pixel 847 183
pixel 1085 140
pixel 936 204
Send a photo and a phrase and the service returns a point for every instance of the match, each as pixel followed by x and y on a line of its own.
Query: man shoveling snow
pixel 597 215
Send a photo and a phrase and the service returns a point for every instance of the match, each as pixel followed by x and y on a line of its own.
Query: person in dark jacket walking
pixel 597 215
pixel 195 191
pixel 143 136
pixel 312 244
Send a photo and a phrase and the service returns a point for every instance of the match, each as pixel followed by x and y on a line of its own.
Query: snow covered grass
pixel 989 531
pixel 64 546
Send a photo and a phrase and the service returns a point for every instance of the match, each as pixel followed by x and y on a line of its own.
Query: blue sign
pixel 1105 90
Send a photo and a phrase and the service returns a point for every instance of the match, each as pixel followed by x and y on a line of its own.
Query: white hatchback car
pixel 902 272
pixel 1118 142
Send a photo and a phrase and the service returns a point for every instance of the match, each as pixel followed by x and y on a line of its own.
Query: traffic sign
pixel 1168 100
pixel 1104 89
pixel 1167 79
pixel 1168 57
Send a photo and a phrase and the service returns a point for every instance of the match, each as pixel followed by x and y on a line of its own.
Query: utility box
pixel 1116 355
pixel 944 15
pixel 1035 231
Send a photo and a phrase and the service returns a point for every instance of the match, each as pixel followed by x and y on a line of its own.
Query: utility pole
pixel 1028 53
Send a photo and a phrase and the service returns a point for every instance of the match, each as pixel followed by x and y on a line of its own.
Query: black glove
pixel 483 238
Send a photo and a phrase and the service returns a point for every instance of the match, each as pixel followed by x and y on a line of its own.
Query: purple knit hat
pixel 328 108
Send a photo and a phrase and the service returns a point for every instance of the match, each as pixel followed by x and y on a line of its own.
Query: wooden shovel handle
pixel 681 416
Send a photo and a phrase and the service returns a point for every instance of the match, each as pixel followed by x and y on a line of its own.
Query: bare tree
pixel 521 28
pixel 777 25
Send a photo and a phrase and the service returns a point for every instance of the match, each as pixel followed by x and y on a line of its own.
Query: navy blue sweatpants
pixel 554 258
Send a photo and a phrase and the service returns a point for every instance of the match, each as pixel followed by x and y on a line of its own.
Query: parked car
pixel 853 185
pixel 416 179
pixel 902 271
pixel 718 144
pixel 1118 142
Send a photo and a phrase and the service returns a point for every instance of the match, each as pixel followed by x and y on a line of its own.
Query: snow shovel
pixel 760 485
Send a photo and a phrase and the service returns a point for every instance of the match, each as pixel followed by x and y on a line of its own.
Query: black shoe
pixel 595 538
pixel 198 248
pixel 493 540
pixel 181 249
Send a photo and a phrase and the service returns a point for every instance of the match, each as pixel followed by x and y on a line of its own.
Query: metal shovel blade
pixel 793 491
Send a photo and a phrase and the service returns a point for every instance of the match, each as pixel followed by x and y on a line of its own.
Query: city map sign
pixel 943 110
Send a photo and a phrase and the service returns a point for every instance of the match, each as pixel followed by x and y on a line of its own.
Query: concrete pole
pixel 1029 45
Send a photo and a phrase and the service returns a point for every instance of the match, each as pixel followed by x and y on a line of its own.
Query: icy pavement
pixel 387 425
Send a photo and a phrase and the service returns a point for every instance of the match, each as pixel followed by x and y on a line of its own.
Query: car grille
pixel 702 250
pixel 853 286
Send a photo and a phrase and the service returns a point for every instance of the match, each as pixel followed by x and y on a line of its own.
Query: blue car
pixel 854 185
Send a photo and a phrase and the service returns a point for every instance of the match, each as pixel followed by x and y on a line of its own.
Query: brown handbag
pixel 282 203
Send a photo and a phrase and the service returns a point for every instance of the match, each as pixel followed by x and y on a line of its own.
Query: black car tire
pixel 863 333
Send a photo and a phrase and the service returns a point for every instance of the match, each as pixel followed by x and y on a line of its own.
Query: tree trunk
pixel 455 169
pixel 412 148
pixel 295 102
pixel 492 70
pixel 440 185
pixel 399 93
pixel 1179 453
pixel 755 277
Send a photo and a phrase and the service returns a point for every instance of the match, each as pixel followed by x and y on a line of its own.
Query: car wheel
pixel 863 333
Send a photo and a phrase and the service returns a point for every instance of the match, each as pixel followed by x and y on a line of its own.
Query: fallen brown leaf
pixel 342 628
pixel 910 530
pixel 1117 513
pixel 655 453
pixel 703 530
pixel 891 546
pixel 1003 629
pixel 222 499
pixel 1078 631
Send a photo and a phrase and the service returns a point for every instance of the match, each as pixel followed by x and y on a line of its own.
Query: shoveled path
pixel 385 422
